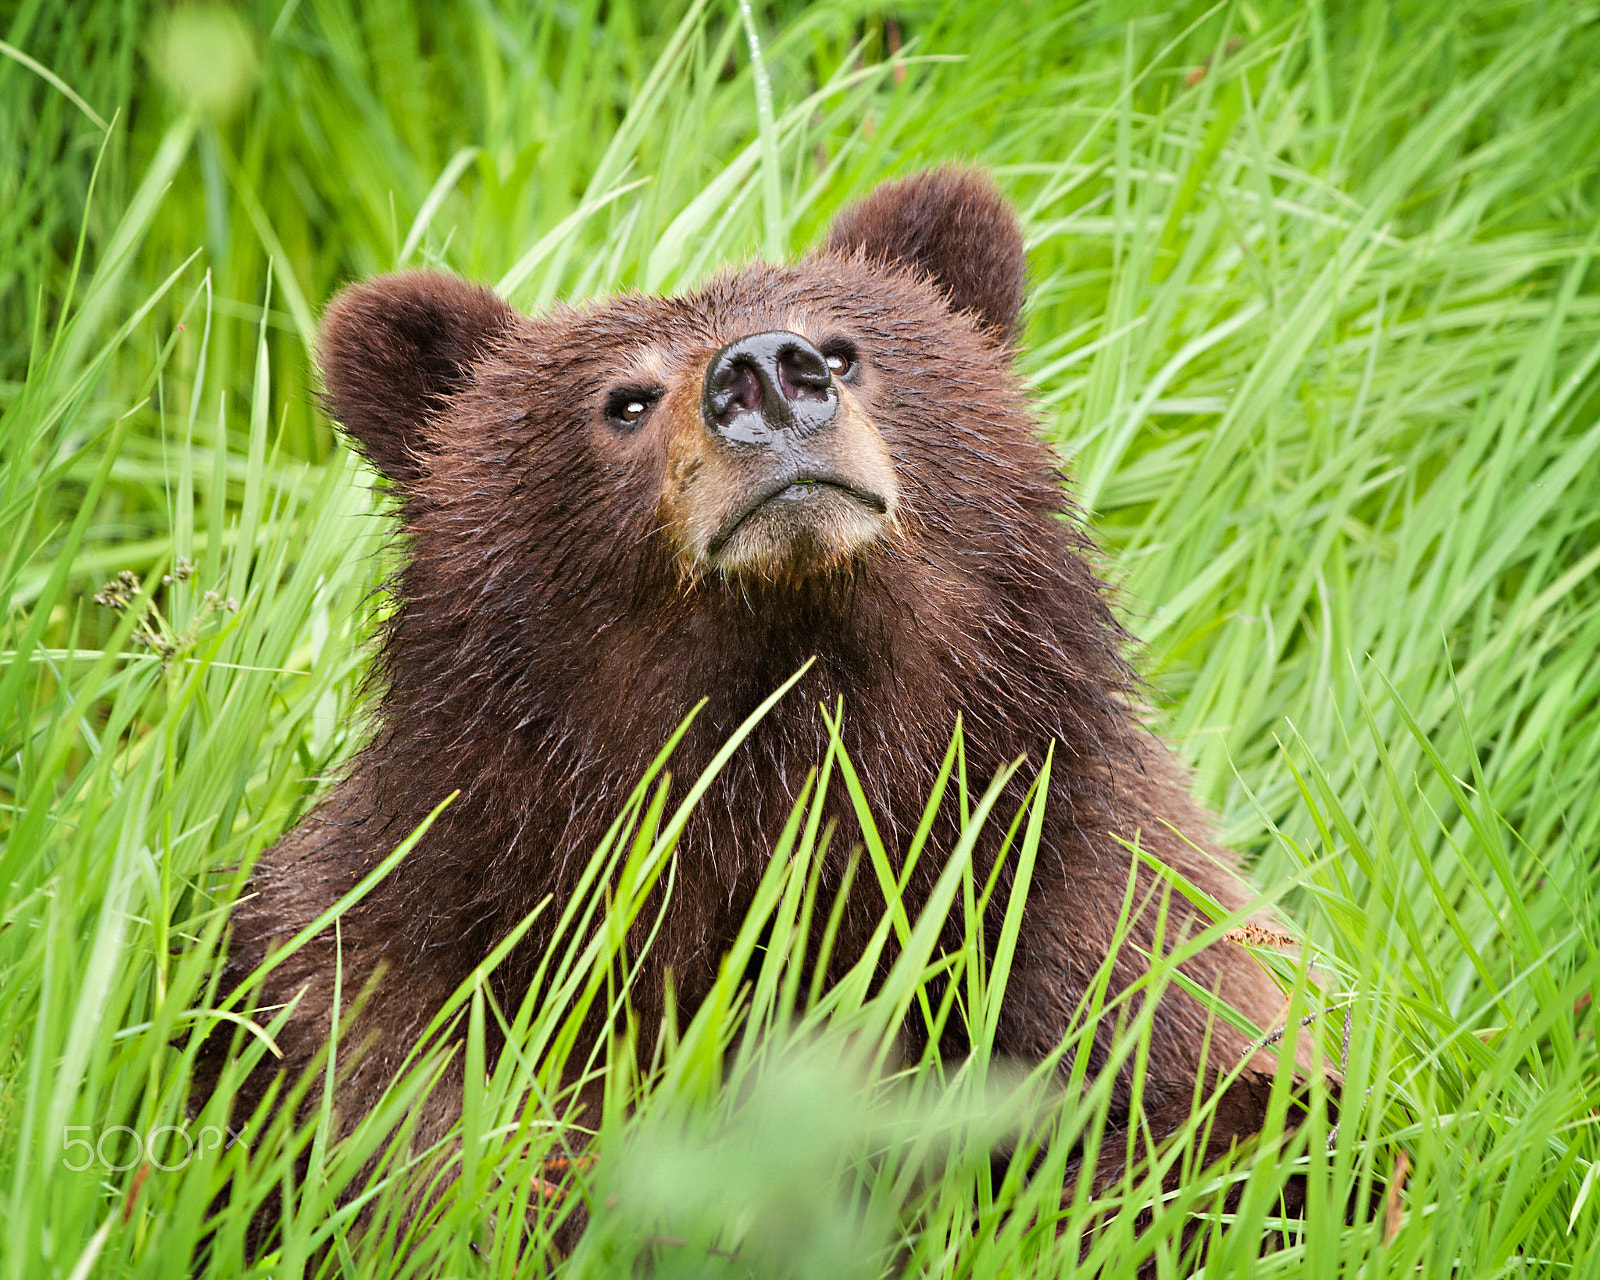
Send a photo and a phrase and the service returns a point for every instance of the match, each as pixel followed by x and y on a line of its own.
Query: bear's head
pixel 615 510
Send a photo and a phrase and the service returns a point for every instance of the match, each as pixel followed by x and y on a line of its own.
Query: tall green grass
pixel 1314 324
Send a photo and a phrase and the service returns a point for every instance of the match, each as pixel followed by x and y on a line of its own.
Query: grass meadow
pixel 1314 326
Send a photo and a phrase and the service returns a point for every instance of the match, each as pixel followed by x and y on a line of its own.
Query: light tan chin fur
pixel 707 483
pixel 774 546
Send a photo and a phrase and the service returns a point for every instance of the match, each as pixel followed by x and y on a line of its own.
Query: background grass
pixel 1314 324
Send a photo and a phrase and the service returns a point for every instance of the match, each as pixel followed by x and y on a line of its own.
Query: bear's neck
pixel 512 706
pixel 545 729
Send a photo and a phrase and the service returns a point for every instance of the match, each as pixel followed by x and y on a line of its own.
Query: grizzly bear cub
pixel 615 512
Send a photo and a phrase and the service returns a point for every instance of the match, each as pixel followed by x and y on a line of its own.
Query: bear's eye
pixel 841 360
pixel 626 409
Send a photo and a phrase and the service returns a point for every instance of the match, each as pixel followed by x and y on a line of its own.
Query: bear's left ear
pixel 394 350
pixel 951 225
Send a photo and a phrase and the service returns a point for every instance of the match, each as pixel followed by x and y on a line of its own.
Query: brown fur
pixel 554 623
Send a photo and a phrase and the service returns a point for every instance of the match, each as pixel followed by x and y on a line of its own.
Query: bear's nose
pixel 769 385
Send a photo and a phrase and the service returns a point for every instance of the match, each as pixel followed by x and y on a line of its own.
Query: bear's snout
pixel 781 474
pixel 769 385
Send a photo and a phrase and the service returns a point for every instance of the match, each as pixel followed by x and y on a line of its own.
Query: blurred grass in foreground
pixel 1314 325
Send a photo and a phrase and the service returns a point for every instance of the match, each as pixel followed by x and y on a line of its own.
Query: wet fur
pixel 545 642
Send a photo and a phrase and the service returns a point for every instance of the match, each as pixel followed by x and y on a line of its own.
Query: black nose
pixel 767 385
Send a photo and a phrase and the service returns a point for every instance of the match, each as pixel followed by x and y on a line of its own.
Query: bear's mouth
pixel 781 509
pixel 803 487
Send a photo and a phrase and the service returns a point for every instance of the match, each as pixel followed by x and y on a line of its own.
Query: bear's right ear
pixel 394 350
